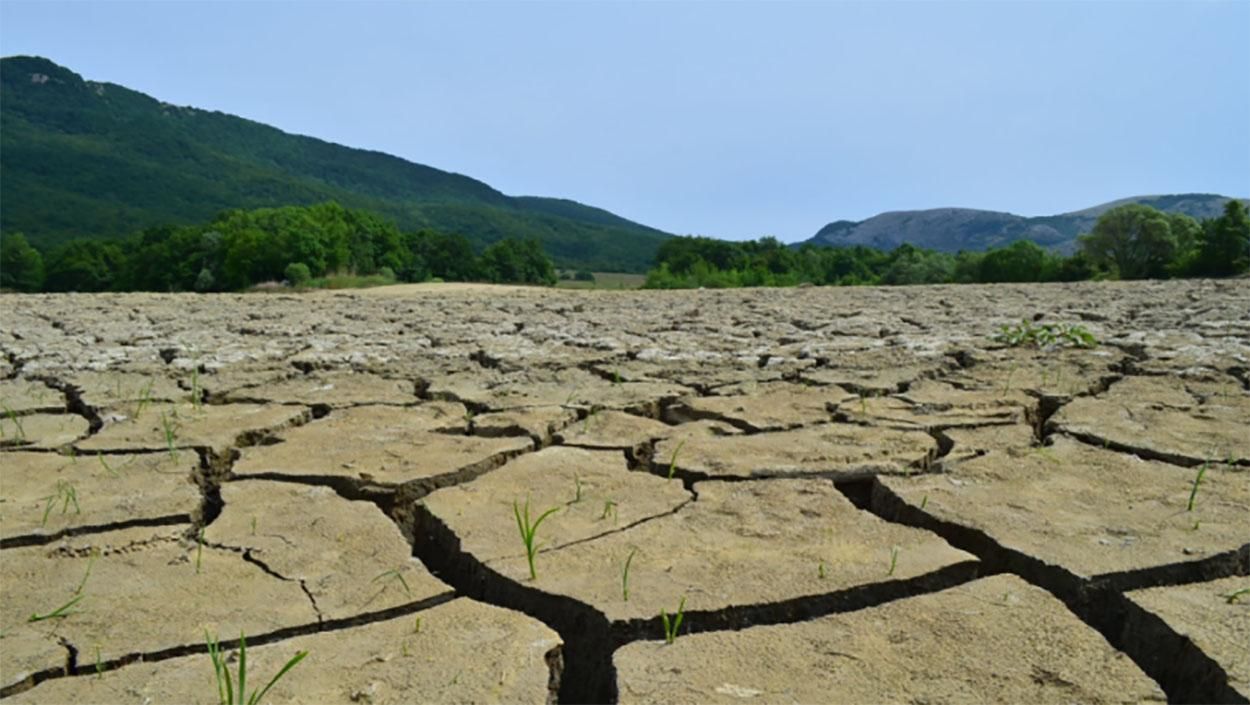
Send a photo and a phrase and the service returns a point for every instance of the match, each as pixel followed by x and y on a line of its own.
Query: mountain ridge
pixel 955 229
pixel 87 158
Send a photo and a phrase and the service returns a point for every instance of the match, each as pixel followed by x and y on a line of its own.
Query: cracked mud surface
pixel 852 494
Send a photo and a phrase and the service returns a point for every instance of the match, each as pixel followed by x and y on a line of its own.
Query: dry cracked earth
pixel 853 495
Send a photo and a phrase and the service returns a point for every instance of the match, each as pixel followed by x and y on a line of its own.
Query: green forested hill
pixel 85 159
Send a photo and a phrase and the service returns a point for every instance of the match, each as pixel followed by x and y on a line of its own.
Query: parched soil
pixel 816 495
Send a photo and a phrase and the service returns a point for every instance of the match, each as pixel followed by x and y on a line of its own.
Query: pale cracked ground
pixel 857 494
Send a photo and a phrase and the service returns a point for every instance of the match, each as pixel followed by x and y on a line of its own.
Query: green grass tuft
pixel 672 463
pixel 66 494
pixel 671 626
pixel 528 531
pixel 1193 492
pixel 625 575
pixel 171 435
pixel 227 692
pixel 609 509
pixel 145 398
pixel 1046 335
pixel 20 435
pixel 395 576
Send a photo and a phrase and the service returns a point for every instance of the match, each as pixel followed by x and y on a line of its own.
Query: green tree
pixel 448 257
pixel 518 261
pixel 297 273
pixel 1135 241
pixel 1075 268
pixel 204 280
pixel 246 258
pixel 83 265
pixel 913 265
pixel 21 266
pixel 1021 261
pixel 1224 244
pixel 1188 234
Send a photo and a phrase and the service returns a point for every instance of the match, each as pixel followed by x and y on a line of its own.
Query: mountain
pixel 954 229
pixel 87 159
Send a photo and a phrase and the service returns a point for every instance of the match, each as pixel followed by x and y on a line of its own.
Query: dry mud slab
pixel 994 640
pixel 847 495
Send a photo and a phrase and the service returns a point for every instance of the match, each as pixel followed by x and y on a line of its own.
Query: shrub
pixel 297 273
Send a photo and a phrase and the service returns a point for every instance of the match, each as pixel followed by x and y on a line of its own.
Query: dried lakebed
pixel 848 495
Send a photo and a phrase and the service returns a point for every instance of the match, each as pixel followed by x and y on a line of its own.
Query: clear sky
pixel 727 119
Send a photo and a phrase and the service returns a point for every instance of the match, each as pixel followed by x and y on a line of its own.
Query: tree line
pixel 304 246
pixel 329 245
pixel 1128 242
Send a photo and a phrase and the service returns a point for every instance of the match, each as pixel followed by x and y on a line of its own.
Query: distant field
pixel 606 280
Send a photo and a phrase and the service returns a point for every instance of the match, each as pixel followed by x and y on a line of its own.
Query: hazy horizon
pixel 730 120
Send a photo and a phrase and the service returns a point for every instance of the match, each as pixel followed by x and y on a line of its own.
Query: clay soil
pixel 848 495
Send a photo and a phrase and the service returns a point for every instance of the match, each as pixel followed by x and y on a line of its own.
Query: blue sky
pixel 727 119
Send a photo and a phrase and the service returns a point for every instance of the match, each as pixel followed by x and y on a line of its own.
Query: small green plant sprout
pixel 145 398
pixel 672 463
pixel 820 570
pixel 609 508
pixel 416 625
pixel 625 575
pixel 1007 383
pixel 253 526
pixel 104 464
pixel 672 625
pixel 528 530
pixel 893 560
pixel 91 559
pixel 569 399
pixel 99 663
pixel 394 576
pixel 616 378
pixel 1193 492
pixel 592 419
pixel 196 401
pixel 171 435
pixel 227 692
pixel 199 550
pixel 59 613
pixel 1236 595
pixel 1045 335
pixel 66 494
pixel 20 432
pixel 924 501
pixel 577 487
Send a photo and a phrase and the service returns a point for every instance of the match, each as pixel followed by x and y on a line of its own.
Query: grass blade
pixel 1193 493
pixel 257 697
pixel 58 613
pixel 242 666
pixel 672 464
